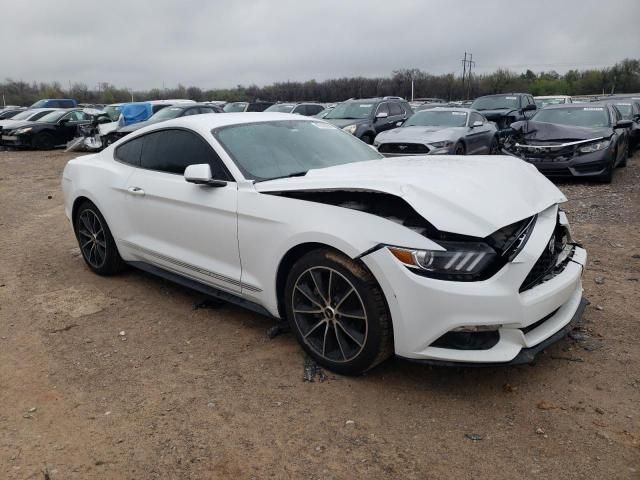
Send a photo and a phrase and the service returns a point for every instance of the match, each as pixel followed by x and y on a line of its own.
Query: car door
pixel 67 126
pixel 479 138
pixel 179 226
pixel 396 114
pixel 380 124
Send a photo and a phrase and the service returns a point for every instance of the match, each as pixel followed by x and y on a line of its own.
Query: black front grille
pixel 403 148
pixel 546 154
pixel 545 267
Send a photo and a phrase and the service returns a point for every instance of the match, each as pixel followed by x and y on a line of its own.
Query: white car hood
pixel 470 195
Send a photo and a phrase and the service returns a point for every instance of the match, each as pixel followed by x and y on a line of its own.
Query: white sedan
pixel 452 260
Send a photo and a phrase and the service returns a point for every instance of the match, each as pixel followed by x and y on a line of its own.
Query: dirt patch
pixel 121 377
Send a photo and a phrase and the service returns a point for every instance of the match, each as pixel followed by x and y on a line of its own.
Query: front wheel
pixel 366 138
pixel 494 147
pixel 459 149
pixel 43 141
pixel 607 176
pixel 96 242
pixel 338 313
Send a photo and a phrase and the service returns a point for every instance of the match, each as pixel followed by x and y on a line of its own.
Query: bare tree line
pixel 623 77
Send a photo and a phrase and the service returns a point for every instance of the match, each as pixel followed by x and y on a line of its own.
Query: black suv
pixel 366 117
pixel 505 108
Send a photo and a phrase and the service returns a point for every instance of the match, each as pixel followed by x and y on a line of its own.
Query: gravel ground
pixel 121 378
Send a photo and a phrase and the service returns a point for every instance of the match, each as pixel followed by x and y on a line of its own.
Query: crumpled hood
pixel 541 132
pixel 469 195
pixel 420 134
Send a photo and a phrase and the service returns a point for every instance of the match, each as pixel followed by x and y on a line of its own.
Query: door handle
pixel 136 191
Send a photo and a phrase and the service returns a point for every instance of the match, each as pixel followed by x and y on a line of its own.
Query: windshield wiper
pixel 294 174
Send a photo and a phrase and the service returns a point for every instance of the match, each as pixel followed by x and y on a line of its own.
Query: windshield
pixel 113 111
pixel 267 150
pixel 53 116
pixel 432 118
pixel 282 108
pixel 166 114
pixel 351 110
pixel 543 102
pixel 592 117
pixel 496 103
pixel 235 107
pixel 625 110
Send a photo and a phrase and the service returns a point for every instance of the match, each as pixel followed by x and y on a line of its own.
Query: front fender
pixel 269 226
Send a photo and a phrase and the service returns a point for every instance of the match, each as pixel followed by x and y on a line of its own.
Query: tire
pixel 96 243
pixel 338 313
pixel 494 147
pixel 367 138
pixel 459 149
pixel 43 141
pixel 607 176
pixel 627 155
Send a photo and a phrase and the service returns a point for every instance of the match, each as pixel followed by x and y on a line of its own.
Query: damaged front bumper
pixel 566 163
pixel 425 310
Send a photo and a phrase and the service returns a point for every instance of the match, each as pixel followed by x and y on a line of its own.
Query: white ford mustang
pixel 453 260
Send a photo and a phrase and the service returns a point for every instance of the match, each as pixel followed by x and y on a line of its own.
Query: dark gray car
pixel 441 131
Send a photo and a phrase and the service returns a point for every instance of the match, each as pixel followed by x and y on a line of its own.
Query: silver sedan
pixel 440 131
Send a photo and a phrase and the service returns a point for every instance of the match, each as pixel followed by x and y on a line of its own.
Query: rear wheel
pixel 96 242
pixel 43 141
pixel 338 312
pixel 459 149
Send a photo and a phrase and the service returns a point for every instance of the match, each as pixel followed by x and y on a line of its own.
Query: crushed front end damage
pixel 560 151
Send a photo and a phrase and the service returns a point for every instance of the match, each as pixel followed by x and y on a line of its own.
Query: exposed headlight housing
pixel 444 144
pixel 594 147
pixel 22 131
pixel 350 129
pixel 460 261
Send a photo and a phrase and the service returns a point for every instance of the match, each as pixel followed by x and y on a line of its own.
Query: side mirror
pixel 624 124
pixel 200 174
pixel 477 123
pixel 399 124
pixel 382 115
pixel 64 120
pixel 528 108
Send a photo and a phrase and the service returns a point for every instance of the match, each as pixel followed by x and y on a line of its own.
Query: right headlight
pixel 594 147
pixel 460 261
pixel 350 129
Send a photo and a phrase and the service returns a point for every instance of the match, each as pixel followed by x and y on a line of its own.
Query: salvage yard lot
pixel 122 378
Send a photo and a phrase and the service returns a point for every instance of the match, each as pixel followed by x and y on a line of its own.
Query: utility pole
pixel 471 64
pixel 412 87
pixel 464 70
pixel 467 72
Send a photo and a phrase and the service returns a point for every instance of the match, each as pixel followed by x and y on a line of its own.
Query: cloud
pixel 222 43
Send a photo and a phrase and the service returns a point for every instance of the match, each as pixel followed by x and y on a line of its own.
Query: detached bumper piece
pixel 526 355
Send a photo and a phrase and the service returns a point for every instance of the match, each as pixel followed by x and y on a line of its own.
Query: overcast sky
pixel 220 43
